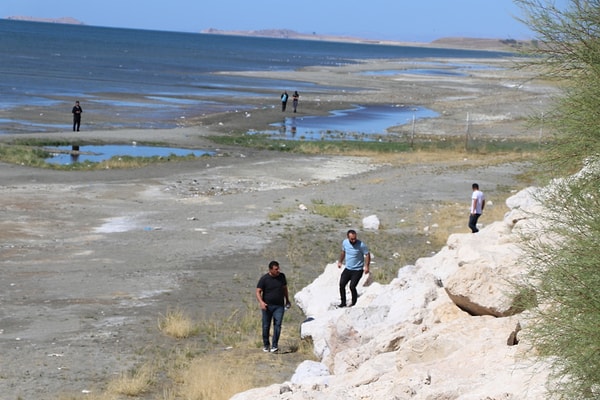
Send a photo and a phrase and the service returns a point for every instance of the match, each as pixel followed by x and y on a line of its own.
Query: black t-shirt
pixel 77 110
pixel 272 288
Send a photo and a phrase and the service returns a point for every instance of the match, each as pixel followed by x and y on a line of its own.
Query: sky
pixel 415 21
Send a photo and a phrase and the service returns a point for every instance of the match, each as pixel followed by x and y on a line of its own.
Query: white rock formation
pixel 444 328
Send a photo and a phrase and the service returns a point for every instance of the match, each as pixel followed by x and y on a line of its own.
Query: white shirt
pixel 477 200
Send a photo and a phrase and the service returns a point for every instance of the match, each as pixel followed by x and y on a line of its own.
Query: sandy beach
pixel 91 259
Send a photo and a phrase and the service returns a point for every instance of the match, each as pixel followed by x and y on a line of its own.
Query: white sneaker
pixel 266 349
pixel 274 349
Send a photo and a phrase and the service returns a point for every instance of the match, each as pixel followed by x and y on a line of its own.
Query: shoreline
pixel 489 83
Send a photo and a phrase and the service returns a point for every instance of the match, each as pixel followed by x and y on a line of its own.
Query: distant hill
pixel 456 43
pixel 482 44
pixel 61 20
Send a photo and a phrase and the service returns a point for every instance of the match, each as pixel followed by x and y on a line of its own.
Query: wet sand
pixel 91 259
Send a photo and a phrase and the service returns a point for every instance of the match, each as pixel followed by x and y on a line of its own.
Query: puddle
pixel 96 154
pixel 362 123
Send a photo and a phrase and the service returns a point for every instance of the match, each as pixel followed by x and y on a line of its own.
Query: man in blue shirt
pixel 357 257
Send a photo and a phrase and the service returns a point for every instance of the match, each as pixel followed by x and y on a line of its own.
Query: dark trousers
pixel 473 222
pixel 76 122
pixel 352 276
pixel 283 105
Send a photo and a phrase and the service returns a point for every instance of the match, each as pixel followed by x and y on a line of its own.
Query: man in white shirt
pixel 477 206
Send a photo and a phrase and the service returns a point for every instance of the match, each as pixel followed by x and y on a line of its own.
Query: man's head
pixel 351 234
pixel 475 186
pixel 273 268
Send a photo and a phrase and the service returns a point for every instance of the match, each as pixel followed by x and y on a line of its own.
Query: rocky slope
pixel 444 328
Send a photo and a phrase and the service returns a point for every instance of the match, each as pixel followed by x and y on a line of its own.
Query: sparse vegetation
pixel 333 211
pixel 222 359
pixel 178 325
pixel 400 144
pixel 133 383
pixel 214 378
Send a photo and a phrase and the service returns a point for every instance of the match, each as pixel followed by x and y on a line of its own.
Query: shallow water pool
pixel 363 123
pixel 93 153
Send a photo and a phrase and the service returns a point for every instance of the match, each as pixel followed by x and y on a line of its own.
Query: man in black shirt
pixel 272 295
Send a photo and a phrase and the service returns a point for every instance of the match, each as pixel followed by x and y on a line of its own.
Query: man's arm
pixel 367 263
pixel 286 295
pixel 341 259
pixel 259 293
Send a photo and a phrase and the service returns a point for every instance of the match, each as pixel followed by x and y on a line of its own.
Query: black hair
pixel 273 264
pixel 475 186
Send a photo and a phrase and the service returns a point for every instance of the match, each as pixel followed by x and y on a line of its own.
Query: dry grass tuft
pixel 334 211
pixel 133 383
pixel 178 325
pixel 215 379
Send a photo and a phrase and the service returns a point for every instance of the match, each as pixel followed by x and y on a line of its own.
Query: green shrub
pixel 564 275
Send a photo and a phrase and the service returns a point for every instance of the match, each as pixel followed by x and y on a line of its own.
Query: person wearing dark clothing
pixel 295 98
pixel 273 298
pixel 77 110
pixel 284 100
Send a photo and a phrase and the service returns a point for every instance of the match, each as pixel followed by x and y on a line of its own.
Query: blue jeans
pixel 272 313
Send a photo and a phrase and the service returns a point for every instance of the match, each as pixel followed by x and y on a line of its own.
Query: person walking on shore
pixel 273 298
pixel 357 256
pixel 295 98
pixel 477 206
pixel 77 110
pixel 284 100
